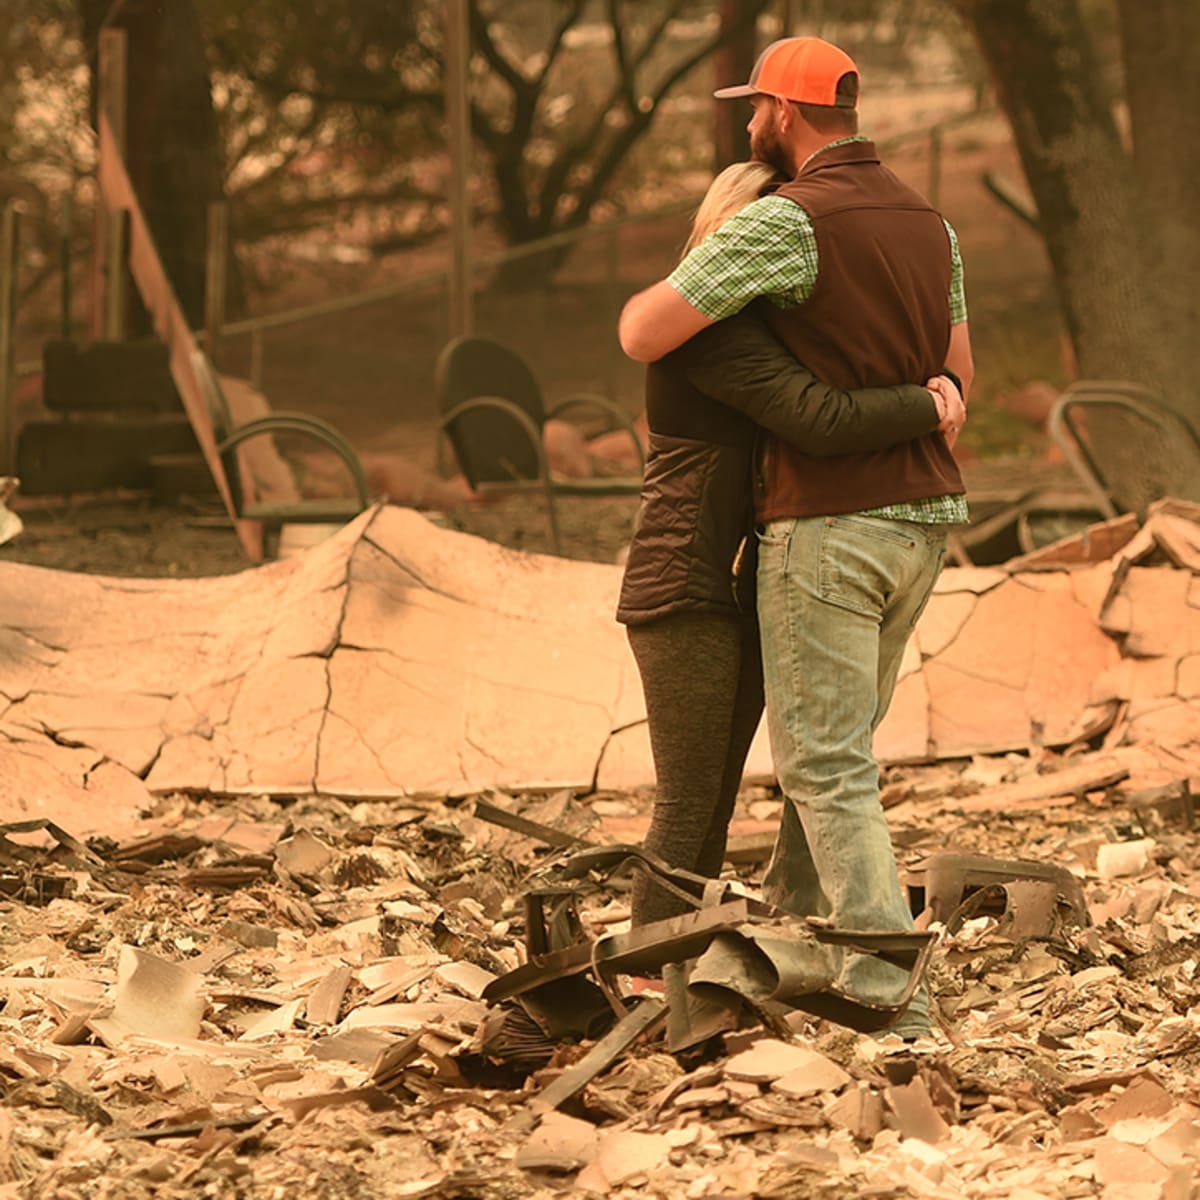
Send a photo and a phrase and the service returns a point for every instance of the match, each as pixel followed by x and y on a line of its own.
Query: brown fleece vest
pixel 879 314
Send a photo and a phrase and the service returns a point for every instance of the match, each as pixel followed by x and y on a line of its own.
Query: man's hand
pixel 657 321
pixel 951 411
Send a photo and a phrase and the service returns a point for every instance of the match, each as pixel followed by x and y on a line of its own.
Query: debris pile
pixel 235 963
pixel 272 996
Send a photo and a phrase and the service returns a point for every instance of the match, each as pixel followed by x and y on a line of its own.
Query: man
pixel 863 283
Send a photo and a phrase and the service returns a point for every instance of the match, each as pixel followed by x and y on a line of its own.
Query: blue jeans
pixel 837 600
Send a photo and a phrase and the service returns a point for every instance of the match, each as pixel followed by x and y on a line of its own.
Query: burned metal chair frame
pixel 476 377
pixel 1034 900
pixel 323 510
pixel 1127 397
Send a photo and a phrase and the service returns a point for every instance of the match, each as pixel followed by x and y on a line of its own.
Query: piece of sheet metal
pixel 949 878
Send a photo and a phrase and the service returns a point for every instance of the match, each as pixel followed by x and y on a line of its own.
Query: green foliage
pixel 327 113
pixel 43 80
pixel 332 112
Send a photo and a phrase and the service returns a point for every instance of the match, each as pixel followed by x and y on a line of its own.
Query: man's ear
pixel 783 113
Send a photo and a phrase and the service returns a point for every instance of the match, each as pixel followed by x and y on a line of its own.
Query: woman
pixel 687 595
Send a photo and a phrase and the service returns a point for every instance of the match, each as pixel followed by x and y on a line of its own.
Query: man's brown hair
pixel 840 121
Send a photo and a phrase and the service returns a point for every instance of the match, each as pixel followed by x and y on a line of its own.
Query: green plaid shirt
pixel 769 249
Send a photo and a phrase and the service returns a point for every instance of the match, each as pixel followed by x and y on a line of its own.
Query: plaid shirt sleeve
pixel 769 248
pixel 958 295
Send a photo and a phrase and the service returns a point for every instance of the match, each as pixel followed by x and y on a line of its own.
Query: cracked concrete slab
pixel 40 778
pixel 398 657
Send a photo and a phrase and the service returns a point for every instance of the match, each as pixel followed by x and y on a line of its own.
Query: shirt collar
pixel 854 137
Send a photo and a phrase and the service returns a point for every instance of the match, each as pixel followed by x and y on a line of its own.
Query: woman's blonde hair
pixel 730 192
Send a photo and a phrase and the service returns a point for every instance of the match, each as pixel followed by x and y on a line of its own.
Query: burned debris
pixel 431 998
pixel 230 972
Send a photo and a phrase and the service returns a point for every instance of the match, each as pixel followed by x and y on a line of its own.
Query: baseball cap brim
pixel 741 89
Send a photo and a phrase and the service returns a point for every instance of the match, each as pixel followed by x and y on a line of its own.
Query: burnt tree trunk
pixel 1162 88
pixel 1100 229
pixel 732 63
pixel 173 148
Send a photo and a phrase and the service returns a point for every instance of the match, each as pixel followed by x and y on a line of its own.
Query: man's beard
pixel 765 146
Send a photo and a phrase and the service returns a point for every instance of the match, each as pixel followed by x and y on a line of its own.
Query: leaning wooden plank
pixel 169 323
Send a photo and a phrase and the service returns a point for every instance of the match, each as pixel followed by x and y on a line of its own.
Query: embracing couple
pixel 808 368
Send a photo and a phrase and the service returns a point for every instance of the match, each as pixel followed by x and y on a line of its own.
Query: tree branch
pixel 556 42
pixel 554 181
pixel 482 37
pixel 624 71
pixel 259 145
pixel 621 144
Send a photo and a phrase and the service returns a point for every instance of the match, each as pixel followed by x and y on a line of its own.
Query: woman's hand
pixel 951 411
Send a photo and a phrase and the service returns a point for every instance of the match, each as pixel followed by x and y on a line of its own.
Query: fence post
pixel 614 307
pixel 64 264
pixel 458 120
pixel 256 359
pixel 112 97
pixel 216 253
pixel 9 247
pixel 116 245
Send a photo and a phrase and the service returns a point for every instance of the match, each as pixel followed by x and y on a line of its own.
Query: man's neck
pixel 803 148
pixel 820 145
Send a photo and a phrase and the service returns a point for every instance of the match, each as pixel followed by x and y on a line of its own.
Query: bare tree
pixel 172 145
pixel 644 68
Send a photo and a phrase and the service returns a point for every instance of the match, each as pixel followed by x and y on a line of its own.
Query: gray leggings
pixel 702 679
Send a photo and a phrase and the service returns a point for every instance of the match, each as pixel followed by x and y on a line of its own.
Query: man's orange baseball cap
pixel 804 69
